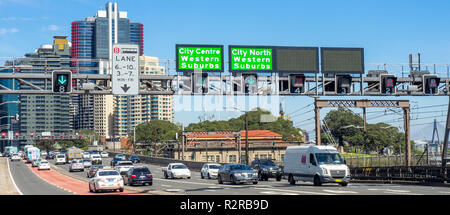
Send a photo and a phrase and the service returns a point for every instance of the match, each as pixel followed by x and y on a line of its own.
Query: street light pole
pixel 246 138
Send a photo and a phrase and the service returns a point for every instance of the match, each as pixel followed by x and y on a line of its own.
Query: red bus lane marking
pixel 69 184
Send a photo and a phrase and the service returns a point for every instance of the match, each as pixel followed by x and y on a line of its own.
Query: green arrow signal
pixel 251 81
pixel 62 79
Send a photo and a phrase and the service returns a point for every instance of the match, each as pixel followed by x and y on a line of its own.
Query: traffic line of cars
pixel 121 172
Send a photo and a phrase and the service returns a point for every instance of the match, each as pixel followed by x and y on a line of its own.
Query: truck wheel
pixel 344 184
pixel 166 176
pixel 219 179
pixel 201 175
pixel 317 181
pixel 121 190
pixel 291 180
pixel 279 178
pixel 209 176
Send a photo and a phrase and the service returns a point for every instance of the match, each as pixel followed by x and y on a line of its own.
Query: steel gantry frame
pixel 404 104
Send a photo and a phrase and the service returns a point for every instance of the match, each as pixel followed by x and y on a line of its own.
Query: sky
pixel 387 30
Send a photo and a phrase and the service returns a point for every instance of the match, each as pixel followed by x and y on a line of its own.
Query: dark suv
pixel 267 169
pixel 138 175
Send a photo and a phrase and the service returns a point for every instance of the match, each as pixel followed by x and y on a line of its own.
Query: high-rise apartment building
pixel 129 111
pixel 45 113
pixel 93 38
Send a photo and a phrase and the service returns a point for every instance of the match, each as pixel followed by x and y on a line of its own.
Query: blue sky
pixel 387 30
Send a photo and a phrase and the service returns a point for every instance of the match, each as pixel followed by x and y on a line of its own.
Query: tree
pixel 280 126
pixel 155 131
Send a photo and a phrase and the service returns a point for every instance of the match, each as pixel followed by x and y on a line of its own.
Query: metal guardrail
pixel 402 173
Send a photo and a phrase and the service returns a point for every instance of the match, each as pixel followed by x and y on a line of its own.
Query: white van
pixel 318 164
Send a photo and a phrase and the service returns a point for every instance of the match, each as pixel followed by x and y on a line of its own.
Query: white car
pixel 86 155
pixel 176 170
pixel 96 159
pixel 104 154
pixel 15 157
pixel 106 179
pixel 44 164
pixel 210 170
pixel 76 164
pixel 87 163
pixel 60 159
pixel 123 166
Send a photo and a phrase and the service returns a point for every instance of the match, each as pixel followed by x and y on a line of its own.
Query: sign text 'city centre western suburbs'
pixel 208 58
pixel 247 58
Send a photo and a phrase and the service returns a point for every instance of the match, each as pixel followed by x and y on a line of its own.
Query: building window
pixel 232 159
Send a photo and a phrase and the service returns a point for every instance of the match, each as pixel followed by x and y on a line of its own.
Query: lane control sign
pixel 125 69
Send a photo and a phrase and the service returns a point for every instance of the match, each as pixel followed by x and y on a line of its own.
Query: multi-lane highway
pixel 198 186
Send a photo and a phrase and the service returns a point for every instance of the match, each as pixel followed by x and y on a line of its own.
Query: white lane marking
pixel 293 191
pixel 173 190
pixel 278 193
pixel 446 192
pixel 340 191
pixel 165 185
pixel 396 192
pixel 12 179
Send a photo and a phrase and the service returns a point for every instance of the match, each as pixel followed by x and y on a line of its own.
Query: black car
pixel 114 161
pixel 267 169
pixel 134 159
pixel 138 175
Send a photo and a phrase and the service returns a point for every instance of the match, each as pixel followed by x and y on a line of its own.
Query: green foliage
pixel 280 126
pixel 155 131
pixel 374 139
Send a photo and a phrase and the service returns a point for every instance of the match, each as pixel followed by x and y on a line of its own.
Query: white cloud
pixel 50 28
pixel 8 30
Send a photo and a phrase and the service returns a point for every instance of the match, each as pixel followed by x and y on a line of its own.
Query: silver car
pixel 237 173
pixel 76 165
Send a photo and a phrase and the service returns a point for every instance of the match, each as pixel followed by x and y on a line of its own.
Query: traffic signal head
pixel 343 84
pixel 200 83
pixel 62 81
pixel 431 84
pixel 250 83
pixel 297 83
pixel 388 83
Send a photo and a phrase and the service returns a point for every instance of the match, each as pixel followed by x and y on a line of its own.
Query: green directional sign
pixel 208 58
pixel 246 58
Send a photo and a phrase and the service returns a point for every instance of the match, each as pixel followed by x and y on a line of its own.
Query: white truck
pixel 317 164
pixel 176 170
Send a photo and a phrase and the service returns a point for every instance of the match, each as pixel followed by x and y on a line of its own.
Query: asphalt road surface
pixel 31 184
pixel 198 186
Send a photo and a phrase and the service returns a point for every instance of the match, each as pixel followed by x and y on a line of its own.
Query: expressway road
pixel 198 186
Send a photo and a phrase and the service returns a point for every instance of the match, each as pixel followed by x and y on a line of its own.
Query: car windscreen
pixel 86 160
pixel 267 163
pixel 134 157
pixel 179 167
pixel 97 167
pixel 240 167
pixel 214 166
pixel 44 162
pixel 76 161
pixel 60 156
pixel 126 164
pixel 96 157
pixel 329 158
pixel 108 173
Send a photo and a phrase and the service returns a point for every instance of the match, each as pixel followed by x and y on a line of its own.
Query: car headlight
pixel 265 169
pixel 325 171
pixel 238 174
